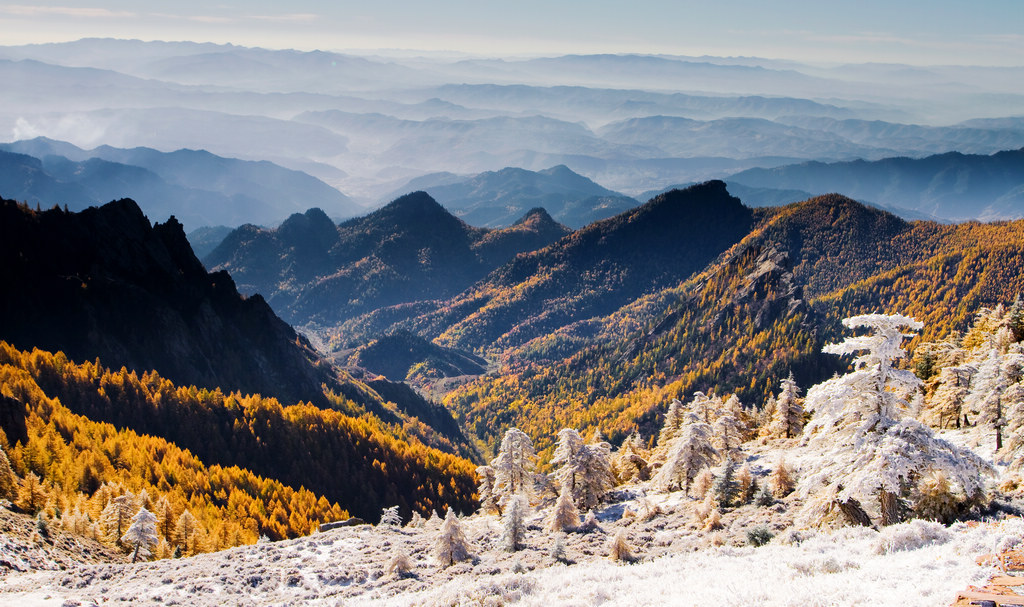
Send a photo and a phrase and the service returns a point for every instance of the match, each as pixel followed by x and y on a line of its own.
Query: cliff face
pixel 106 283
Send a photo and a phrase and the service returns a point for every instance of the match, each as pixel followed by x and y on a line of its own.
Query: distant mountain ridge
pixel 588 273
pixel 951 186
pixel 499 198
pixel 197 187
pixel 410 250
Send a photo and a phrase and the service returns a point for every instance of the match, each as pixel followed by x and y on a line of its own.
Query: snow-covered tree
pixel 390 517
pixel 584 469
pixel 870 454
pixel 729 433
pixel 619 548
pixel 688 454
pixel 673 424
pixel 117 515
pixel 513 529
pixel 788 418
pixel 780 481
pixel 564 515
pixel 725 487
pixel 451 545
pixel 513 467
pixel 488 501
pixel 945 408
pixel 141 535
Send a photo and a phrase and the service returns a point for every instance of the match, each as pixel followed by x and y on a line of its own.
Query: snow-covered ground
pixel 915 563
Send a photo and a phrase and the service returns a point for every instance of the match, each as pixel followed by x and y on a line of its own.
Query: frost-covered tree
pixel 945 408
pixel 451 545
pixel 390 517
pixel 725 487
pixel 688 454
pixel 513 529
pixel 868 452
pixel 628 462
pixel 488 501
pixel 729 433
pixel 141 535
pixel 619 548
pixel 788 418
pixel 117 516
pixel 584 469
pixel 513 467
pixel 780 481
pixel 673 424
pixel 564 515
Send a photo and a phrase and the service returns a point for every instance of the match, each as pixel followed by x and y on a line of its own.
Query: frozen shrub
pixel 911 536
pixel 590 524
pixel 764 498
pixel 619 549
pixel 713 520
pixel 759 536
pixel 702 484
pixel 936 499
pixel 558 549
pixel 390 517
pixel 400 565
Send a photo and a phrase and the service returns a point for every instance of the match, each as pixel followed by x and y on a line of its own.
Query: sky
pixel 920 32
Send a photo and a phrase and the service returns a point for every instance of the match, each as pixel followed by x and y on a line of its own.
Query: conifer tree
pixel 141 534
pixel 870 450
pixel 513 532
pixel 726 489
pixel 690 453
pixel 33 495
pixel 8 480
pixel 788 419
pixel 673 424
pixel 619 548
pixel 513 467
pixel 186 528
pixel 564 515
pixel 117 516
pixel 451 546
pixel 488 501
pixel 584 469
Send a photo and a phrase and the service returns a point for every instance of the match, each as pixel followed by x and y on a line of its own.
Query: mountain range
pixel 368 124
pixel 499 198
pixel 105 285
pixel 952 186
pixel 411 250
pixel 197 187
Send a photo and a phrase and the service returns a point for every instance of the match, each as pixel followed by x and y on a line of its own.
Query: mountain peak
pixel 536 216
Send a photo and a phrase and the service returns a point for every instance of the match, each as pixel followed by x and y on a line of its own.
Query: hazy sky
pixel 987 32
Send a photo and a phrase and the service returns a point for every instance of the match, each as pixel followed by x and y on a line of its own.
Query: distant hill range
pixel 197 187
pixel 949 186
pixel 499 198
pixel 411 250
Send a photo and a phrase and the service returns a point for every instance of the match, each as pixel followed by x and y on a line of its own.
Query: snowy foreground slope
pixel 915 563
